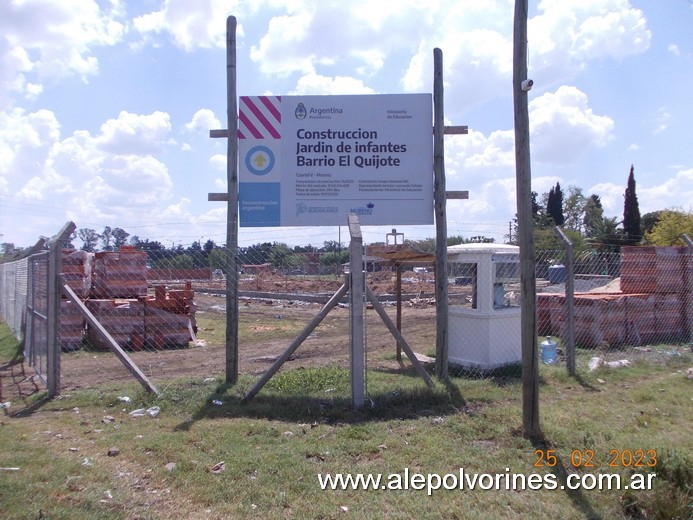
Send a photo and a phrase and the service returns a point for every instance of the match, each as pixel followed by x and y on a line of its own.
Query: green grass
pixel 301 425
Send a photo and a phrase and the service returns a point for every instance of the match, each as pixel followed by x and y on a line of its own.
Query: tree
pixel 606 236
pixel 106 238
pixel 593 215
pixel 554 205
pixel 184 261
pixel 280 255
pixel 255 254
pixel 631 212
pixel 330 246
pixel 217 259
pixel 574 209
pixel 7 248
pixel 120 238
pixel 669 228
pixel 89 239
pixel 334 258
pixel 649 221
pixel 209 247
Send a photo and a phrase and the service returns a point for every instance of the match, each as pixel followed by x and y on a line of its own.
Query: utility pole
pixel 530 362
pixel 231 199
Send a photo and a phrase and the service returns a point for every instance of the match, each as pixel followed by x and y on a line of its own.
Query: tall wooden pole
pixel 441 262
pixel 232 206
pixel 530 362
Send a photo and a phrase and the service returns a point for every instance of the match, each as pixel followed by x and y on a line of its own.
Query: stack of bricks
pixel 121 274
pixel 663 274
pixel 76 272
pixel 655 303
pixel 114 288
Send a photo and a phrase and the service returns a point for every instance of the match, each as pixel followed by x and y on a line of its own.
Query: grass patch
pixel 301 425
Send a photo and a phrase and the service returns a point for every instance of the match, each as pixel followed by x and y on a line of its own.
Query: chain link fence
pixel 13 293
pixel 167 311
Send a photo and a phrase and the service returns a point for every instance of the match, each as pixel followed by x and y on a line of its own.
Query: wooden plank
pixel 297 342
pixel 110 342
pixel 450 195
pixel 456 130
pixel 400 339
pixel 217 197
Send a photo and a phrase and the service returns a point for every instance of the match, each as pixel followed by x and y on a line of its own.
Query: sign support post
pixel 231 199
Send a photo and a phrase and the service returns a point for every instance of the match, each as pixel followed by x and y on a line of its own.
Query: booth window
pixel 465 274
pixel 505 273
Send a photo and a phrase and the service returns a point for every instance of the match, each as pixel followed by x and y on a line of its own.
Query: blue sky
pixel 106 106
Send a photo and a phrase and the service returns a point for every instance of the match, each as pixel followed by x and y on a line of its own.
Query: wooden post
pixel 232 206
pixel 530 362
pixel 111 343
pixel 441 261
pixel 53 309
pixel 332 303
pixel 356 308
pixel 396 334
pixel 569 340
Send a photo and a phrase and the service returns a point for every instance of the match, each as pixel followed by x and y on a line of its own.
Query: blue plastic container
pixel 557 274
pixel 549 354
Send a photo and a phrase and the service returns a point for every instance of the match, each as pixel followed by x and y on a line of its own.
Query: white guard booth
pixel 484 318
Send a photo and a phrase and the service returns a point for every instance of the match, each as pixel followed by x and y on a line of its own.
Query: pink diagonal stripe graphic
pixel 274 110
pixel 261 117
pixel 246 124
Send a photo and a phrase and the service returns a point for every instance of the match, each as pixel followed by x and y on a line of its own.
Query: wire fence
pixel 169 314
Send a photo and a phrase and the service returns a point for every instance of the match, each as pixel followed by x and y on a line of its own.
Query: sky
pixel 106 105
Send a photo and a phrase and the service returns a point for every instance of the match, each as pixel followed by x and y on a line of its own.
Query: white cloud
pixel 203 121
pixel 280 51
pixel 190 25
pixel 588 29
pixel 218 161
pixel 51 39
pixel 678 187
pixel 650 198
pixel 109 179
pixel 323 85
pixel 134 134
pixel 563 126
pixel 661 121
pixel 674 49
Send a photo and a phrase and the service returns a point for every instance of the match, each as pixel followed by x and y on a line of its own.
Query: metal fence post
pixel 569 340
pixel 53 314
pixel 356 292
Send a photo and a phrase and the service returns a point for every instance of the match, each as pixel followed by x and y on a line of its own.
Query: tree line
pixel 582 218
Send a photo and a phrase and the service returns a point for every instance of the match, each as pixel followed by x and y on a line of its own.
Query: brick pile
pixel 655 303
pixel 114 287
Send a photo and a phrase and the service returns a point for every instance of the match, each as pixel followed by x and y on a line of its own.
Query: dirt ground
pixel 267 326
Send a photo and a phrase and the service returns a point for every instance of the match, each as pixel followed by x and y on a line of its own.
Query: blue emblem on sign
pixel 259 160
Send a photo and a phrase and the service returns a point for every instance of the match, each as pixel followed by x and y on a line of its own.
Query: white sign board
pixel 312 160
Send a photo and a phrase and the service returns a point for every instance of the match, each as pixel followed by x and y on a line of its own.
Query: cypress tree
pixel 631 212
pixel 554 206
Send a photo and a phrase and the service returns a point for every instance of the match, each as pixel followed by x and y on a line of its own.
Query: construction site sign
pixel 312 160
